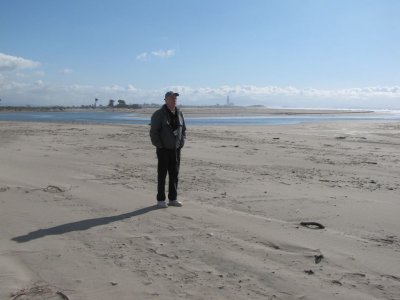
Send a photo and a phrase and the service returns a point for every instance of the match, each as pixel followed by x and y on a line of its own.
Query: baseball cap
pixel 171 93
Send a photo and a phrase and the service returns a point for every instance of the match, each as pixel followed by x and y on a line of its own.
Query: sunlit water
pixel 130 118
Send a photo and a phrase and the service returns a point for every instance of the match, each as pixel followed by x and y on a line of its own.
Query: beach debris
pixel 285 183
pixel 369 162
pixel 341 137
pixel 312 225
pixel 39 292
pixel 53 189
pixel 3 189
pixel 309 272
pixel 113 283
pixel 318 258
pixel 63 296
pixel 276 138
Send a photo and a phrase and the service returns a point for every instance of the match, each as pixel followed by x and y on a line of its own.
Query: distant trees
pixel 121 103
pixel 135 106
pixel 111 103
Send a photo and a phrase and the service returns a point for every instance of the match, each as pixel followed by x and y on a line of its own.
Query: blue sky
pixel 314 53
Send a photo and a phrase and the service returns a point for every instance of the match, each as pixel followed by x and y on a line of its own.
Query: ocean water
pixel 131 118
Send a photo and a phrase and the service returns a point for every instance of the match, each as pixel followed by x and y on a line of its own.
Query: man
pixel 168 133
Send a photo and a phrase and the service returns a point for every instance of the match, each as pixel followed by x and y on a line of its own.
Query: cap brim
pixel 169 94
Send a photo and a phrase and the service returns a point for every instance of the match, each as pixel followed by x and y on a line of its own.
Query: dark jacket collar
pixel 166 109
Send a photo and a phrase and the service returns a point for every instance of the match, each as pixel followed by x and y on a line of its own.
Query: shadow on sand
pixel 80 225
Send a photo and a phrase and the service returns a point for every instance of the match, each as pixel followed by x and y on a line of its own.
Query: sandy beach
pixel 78 220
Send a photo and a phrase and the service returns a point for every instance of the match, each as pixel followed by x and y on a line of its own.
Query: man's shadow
pixel 80 225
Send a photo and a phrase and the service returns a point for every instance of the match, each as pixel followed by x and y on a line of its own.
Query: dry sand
pixel 77 213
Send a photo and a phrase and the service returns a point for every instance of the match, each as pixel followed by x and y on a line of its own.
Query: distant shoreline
pixel 193 111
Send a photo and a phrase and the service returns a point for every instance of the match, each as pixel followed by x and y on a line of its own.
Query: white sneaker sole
pixel 162 205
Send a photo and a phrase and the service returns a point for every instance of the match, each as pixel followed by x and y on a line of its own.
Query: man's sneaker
pixel 175 203
pixel 162 204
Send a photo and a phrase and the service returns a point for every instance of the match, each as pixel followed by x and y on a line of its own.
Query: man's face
pixel 171 101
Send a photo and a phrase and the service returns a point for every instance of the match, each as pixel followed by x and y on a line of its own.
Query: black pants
pixel 168 161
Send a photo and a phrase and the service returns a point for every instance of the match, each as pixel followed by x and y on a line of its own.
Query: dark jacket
pixel 162 133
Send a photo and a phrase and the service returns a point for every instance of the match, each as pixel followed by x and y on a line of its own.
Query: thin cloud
pixel 66 71
pixel 42 92
pixel 142 56
pixel 158 54
pixel 164 53
pixel 11 63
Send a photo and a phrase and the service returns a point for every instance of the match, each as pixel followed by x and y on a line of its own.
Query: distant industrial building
pixel 228 102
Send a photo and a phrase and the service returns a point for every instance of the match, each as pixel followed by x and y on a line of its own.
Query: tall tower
pixel 227 100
